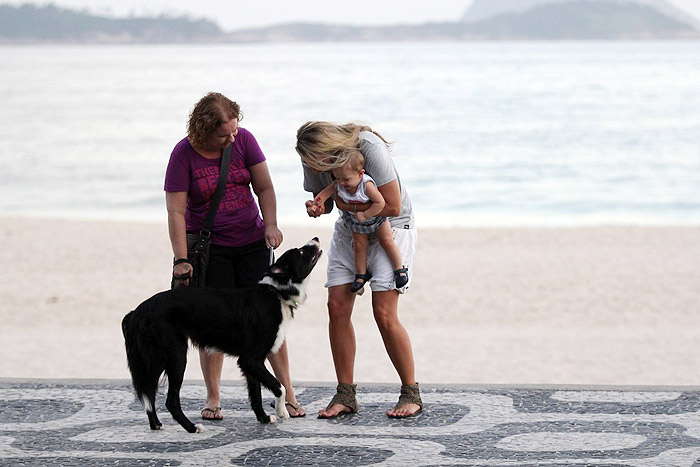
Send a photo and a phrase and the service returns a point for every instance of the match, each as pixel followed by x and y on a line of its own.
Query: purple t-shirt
pixel 237 221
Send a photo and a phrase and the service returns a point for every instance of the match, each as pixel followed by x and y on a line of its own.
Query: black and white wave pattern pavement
pixel 74 423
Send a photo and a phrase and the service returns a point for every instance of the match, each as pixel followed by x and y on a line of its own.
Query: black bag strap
pixel 220 187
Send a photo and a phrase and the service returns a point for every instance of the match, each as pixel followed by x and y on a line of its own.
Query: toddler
pixel 357 188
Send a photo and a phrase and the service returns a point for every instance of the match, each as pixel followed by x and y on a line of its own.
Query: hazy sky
pixel 236 14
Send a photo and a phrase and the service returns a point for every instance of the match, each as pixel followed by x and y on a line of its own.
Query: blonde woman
pixel 324 146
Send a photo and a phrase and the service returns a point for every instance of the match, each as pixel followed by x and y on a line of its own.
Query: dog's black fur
pixel 248 323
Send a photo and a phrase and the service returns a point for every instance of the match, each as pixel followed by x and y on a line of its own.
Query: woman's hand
pixel 315 208
pixel 273 236
pixel 183 270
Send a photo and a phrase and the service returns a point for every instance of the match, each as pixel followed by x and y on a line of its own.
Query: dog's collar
pixel 292 303
pixel 286 297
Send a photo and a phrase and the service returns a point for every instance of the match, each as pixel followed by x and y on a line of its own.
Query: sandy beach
pixel 585 305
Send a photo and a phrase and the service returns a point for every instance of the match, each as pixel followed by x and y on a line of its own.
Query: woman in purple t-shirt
pixel 240 236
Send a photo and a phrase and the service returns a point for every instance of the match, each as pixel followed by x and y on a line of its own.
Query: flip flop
pixel 296 407
pixel 215 412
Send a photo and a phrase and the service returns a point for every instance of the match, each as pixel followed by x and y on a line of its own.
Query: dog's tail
pixel 144 356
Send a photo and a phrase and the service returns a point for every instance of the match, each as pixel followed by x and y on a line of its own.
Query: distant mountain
pixel 481 10
pixel 485 20
pixel 576 19
pixel 31 23
pixel 509 20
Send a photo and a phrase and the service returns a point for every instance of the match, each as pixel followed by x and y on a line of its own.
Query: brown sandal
pixel 410 394
pixel 344 395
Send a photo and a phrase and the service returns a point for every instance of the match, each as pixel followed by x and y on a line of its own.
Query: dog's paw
pixel 282 412
pixel 273 419
pixel 281 405
pixel 199 427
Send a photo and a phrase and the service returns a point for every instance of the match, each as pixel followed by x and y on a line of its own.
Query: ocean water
pixel 526 133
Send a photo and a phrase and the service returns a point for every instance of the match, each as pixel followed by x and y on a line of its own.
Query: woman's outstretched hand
pixel 315 208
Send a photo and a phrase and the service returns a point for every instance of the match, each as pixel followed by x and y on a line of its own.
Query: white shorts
pixel 341 259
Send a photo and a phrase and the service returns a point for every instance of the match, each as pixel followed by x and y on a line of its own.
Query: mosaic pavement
pixel 99 423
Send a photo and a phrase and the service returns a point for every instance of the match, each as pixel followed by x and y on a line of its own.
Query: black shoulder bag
pixel 198 243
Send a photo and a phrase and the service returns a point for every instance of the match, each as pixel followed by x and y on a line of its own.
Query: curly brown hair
pixel 208 114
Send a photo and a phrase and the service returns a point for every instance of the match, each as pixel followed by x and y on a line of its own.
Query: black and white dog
pixel 248 323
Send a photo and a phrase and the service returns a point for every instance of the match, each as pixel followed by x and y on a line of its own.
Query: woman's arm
pixel 377 203
pixel 265 191
pixel 392 197
pixel 176 203
pixel 352 207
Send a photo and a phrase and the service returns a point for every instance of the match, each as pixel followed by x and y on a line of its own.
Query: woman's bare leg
pixel 342 340
pixel 397 343
pixel 280 366
pixel 212 364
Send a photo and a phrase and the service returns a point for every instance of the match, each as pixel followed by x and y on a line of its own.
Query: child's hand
pixel 361 216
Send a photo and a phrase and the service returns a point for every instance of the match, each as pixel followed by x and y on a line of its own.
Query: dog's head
pixel 296 264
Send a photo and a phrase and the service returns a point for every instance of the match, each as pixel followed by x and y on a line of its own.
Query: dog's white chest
pixel 282 331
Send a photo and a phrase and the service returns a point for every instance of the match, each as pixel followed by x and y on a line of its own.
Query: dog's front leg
pixel 255 396
pixel 281 404
pixel 271 383
pixel 256 373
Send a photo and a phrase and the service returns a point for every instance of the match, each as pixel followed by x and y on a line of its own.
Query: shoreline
pixel 436 222
pixel 584 305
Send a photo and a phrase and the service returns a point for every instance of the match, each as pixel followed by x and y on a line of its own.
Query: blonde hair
pixel 325 146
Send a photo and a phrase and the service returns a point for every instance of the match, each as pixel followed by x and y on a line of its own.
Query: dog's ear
pixel 281 273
